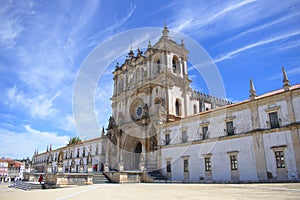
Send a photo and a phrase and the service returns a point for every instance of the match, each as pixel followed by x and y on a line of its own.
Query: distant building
pixel 160 124
pixel 11 170
pixel 3 169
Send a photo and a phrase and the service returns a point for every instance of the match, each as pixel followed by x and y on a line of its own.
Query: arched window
pixel 158 66
pixel 177 107
pixel 174 65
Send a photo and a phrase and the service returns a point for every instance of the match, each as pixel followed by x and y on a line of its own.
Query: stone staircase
pixel 100 179
pixel 157 176
pixel 24 185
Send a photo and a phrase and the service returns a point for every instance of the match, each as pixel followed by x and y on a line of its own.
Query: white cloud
pixel 23 144
pixel 68 123
pixel 291 45
pixel 193 19
pixel 233 53
pixel 163 8
pixel 290 73
pixel 37 107
pixel 11 24
pixel 119 22
pixel 261 27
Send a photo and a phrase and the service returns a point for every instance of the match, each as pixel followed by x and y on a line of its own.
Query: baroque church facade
pixel 160 124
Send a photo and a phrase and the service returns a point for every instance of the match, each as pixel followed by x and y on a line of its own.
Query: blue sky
pixel 44 43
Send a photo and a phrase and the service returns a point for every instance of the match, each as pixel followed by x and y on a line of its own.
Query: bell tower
pixel 150 89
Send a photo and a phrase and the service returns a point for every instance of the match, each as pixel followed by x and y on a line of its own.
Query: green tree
pixel 74 140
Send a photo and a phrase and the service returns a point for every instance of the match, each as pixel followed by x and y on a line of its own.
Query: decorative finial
pixel 252 91
pixel 182 43
pixel 286 82
pixel 47 148
pixel 131 54
pixel 149 44
pixel 165 32
pixel 50 147
pixel 165 23
pixel 103 132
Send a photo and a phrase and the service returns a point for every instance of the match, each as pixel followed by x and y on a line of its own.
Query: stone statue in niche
pixel 153 143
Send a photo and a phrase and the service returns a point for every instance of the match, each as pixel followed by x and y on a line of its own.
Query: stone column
pixel 118 148
pixel 260 157
pixel 296 147
pixel 89 163
pixel 142 163
pixel 121 163
pixel 106 165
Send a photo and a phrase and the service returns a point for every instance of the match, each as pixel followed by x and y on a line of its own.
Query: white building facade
pixel 254 140
pixel 159 123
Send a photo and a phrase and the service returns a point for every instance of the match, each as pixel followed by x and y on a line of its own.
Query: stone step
pixel 157 176
pixel 99 178
pixel 27 185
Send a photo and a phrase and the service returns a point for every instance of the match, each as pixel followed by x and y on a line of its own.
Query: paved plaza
pixel 159 191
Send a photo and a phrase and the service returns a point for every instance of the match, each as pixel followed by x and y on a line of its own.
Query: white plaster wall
pixel 282 114
pixel 216 125
pixel 242 121
pixel 279 139
pixel 173 95
pixel 220 159
pixel 190 104
pixel 296 103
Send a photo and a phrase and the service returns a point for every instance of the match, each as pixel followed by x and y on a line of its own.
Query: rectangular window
pixel 274 123
pixel 167 138
pixel 77 153
pixel 186 165
pixel 195 109
pixel 205 132
pixel 233 163
pixel 207 165
pixel 230 128
pixel 169 166
pixel 279 159
pixel 97 150
pixel 83 152
pixel 184 136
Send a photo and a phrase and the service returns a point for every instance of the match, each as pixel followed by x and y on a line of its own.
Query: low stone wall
pixel 128 177
pixel 64 179
pixel 61 179
pixel 32 177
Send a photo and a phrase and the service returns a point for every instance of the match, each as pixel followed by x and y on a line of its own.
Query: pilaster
pixel 260 157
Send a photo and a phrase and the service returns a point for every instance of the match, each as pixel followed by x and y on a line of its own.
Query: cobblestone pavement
pixel 159 191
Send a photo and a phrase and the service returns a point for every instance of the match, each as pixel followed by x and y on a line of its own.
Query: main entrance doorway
pixel 137 155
